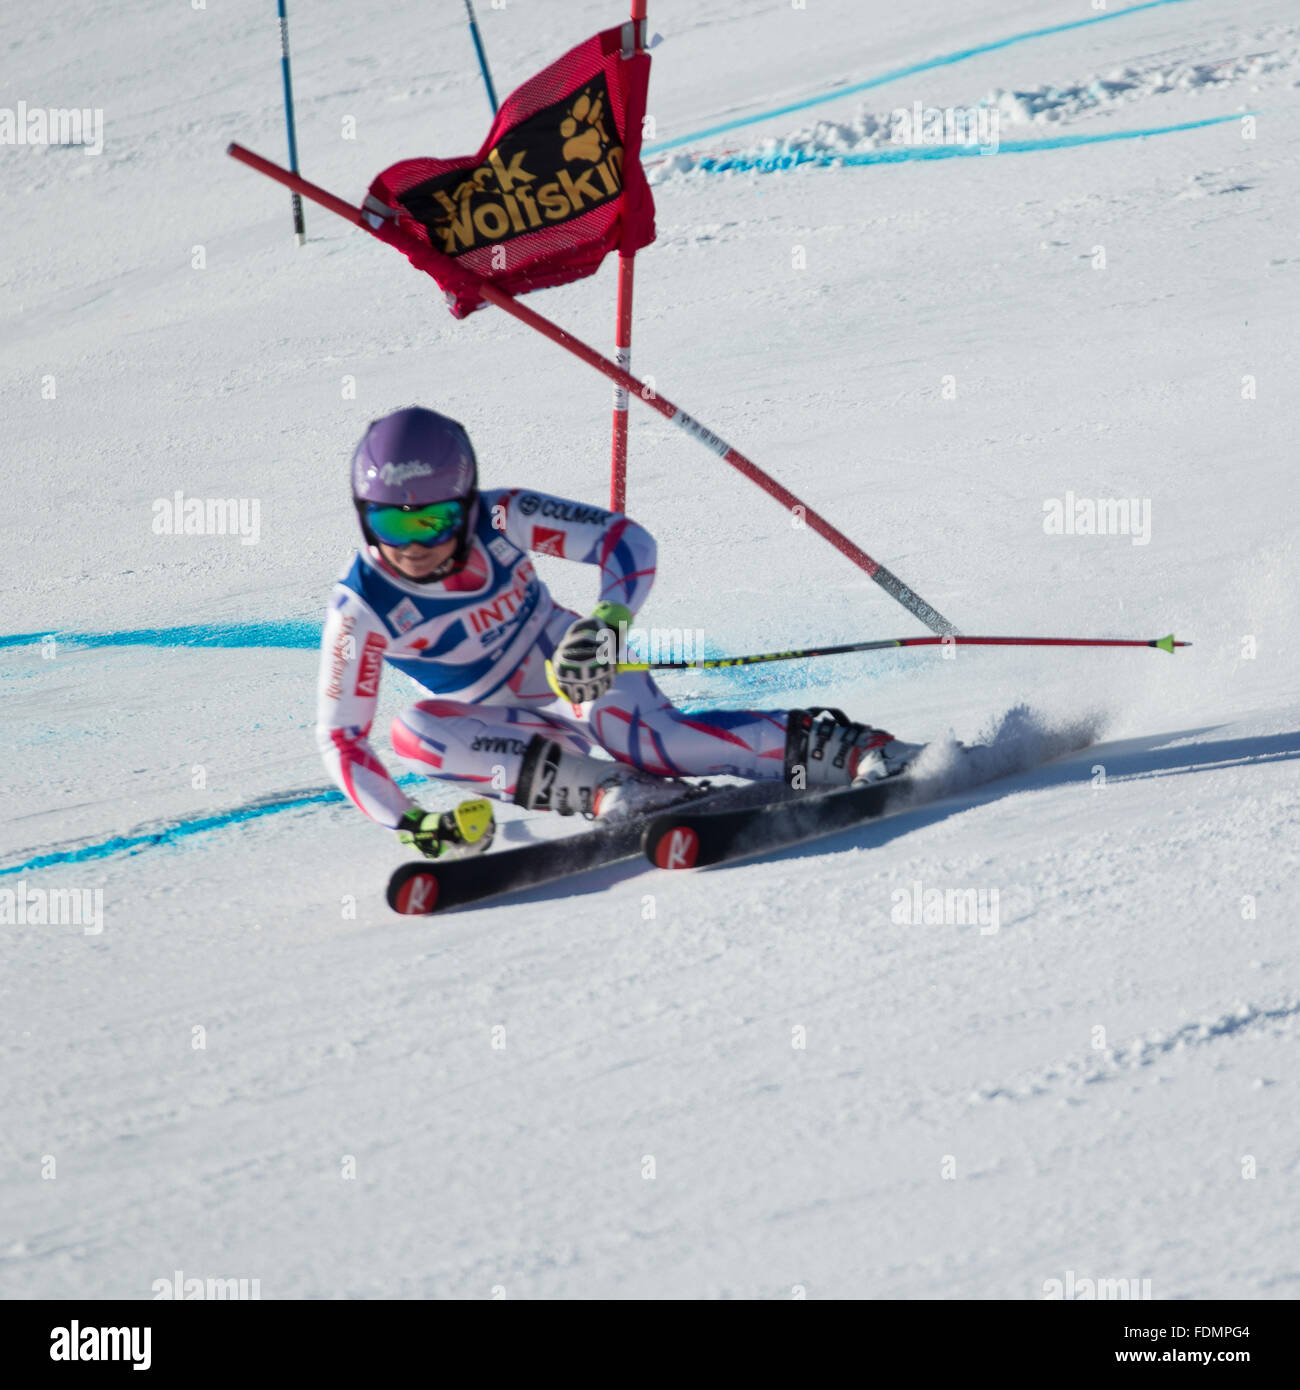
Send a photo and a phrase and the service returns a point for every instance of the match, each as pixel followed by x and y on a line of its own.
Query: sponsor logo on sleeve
pixel 502 549
pixel 560 510
pixel 343 650
pixel 547 541
pixel 405 616
pixel 372 654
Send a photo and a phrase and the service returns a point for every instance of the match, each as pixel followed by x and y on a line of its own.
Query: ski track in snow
pixel 1241 1024
pixel 793 157
pixel 898 74
pixel 872 137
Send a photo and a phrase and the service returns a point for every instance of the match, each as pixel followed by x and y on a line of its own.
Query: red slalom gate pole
pixel 634 42
pixel 623 358
pixel 887 580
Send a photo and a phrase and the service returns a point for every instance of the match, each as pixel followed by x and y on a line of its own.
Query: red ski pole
pixel 887 580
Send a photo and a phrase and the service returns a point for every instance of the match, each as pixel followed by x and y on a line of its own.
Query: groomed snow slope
pixel 956 1124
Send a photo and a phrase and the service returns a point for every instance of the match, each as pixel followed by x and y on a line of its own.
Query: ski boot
pixel 554 779
pixel 824 749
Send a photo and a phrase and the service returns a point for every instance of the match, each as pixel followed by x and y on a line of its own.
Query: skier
pixel 443 590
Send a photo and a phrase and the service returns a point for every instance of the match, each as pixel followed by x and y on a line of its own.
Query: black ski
pixel 430 885
pixel 427 886
pixel 689 839
pixel 692 837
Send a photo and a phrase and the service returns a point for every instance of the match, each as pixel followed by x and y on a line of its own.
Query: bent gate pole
pixel 887 580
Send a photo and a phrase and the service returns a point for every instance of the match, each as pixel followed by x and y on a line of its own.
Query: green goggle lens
pixel 430 525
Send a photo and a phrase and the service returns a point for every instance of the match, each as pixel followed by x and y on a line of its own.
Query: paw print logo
pixel 584 131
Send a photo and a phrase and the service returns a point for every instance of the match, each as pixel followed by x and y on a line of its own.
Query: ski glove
pixel 467 829
pixel 586 660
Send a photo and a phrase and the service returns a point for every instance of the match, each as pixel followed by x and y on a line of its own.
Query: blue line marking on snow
pixel 740 679
pixel 291 632
pixel 732 685
pixel 304 635
pixel 183 829
pixel 903 154
pixel 925 65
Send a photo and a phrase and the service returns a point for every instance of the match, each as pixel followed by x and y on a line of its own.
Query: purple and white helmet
pixel 411 458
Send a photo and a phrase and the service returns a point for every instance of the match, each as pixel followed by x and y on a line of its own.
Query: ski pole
pixel 1166 644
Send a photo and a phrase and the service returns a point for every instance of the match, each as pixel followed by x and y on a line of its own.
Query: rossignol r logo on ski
pixel 418 894
pixel 677 849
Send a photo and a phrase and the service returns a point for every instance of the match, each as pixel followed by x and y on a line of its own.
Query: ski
pixel 426 886
pixel 690 839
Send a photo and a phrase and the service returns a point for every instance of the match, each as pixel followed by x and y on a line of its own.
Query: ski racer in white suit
pixel 443 591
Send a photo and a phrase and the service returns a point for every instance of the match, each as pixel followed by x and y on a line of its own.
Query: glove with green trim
pixel 586 659
pixel 466 829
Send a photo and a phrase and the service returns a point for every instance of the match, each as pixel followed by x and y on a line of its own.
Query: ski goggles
pixel 430 525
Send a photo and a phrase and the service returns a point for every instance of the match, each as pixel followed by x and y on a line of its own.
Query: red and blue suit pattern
pixel 476 646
